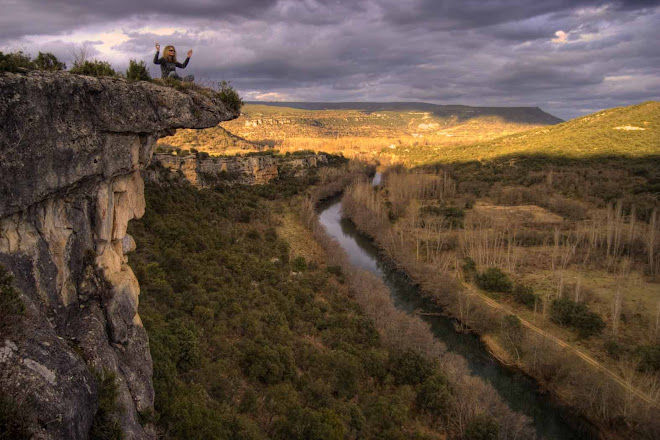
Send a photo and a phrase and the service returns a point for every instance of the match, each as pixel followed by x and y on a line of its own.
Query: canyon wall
pixel 250 170
pixel 71 152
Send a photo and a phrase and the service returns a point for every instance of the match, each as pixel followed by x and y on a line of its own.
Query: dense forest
pixel 250 340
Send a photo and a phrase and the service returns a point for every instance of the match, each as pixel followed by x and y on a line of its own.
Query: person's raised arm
pixel 185 63
pixel 156 60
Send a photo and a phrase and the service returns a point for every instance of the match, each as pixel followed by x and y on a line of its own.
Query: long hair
pixel 166 53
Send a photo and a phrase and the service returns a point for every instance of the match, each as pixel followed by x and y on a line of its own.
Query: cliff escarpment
pixel 204 171
pixel 71 152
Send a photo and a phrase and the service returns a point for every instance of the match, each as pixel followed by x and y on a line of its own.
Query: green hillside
pixel 632 131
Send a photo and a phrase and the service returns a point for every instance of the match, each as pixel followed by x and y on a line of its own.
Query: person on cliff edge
pixel 168 63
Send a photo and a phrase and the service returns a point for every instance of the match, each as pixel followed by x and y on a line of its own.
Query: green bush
pixel 454 216
pixel 299 264
pixel 229 96
pixel 649 358
pixel 494 280
pixel 266 363
pixel 482 428
pixel 469 268
pixel 613 349
pixel 433 396
pixel 410 368
pixel 525 295
pixel 48 61
pixel 105 425
pixel 13 421
pixel 15 62
pixel 137 71
pixel 93 68
pixel 576 315
pixel 11 306
pixel 307 424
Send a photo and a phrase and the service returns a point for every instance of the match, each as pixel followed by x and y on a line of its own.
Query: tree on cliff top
pixel 229 96
pixel 19 61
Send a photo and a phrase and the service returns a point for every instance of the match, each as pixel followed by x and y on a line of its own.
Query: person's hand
pixel 157 47
pixel 189 53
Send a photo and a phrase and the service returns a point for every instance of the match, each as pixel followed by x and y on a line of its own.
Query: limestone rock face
pixel 71 152
pixel 251 170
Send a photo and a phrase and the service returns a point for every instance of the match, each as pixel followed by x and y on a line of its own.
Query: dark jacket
pixel 168 66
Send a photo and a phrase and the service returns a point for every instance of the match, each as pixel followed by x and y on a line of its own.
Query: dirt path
pixel 591 361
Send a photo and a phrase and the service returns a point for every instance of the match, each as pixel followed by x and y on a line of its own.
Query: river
pixel 551 420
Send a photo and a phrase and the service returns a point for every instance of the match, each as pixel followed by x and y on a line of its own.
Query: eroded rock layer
pixel 71 152
pixel 252 170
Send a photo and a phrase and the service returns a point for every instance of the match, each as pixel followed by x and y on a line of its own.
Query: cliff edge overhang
pixel 72 149
pixel 59 130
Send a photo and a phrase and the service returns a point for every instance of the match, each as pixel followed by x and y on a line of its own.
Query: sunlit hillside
pixel 215 141
pixel 384 131
pixel 632 131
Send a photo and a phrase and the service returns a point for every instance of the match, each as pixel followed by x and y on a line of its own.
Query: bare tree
pixel 656 330
pixel 651 237
pixel 619 291
pixel 81 53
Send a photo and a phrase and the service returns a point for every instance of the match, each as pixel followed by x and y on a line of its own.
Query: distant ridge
pixel 521 115
pixel 632 131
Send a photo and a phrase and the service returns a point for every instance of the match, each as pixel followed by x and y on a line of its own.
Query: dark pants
pixel 187 78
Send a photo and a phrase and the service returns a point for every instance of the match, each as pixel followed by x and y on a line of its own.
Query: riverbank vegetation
pixel 542 241
pixel 252 340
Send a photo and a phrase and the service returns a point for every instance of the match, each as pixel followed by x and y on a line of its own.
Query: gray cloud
pixel 498 52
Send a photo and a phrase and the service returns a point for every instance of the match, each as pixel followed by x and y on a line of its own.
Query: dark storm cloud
pixel 27 17
pixel 566 56
pixel 447 14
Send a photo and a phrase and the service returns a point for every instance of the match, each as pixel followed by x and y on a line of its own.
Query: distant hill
pixel 632 131
pixel 519 115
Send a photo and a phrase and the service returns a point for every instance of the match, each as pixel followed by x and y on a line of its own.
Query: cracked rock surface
pixel 72 149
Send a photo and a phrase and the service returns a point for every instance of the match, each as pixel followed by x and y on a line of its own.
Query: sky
pixel 568 57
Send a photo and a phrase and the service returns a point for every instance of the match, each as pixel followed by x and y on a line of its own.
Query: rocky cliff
pixel 71 152
pixel 205 171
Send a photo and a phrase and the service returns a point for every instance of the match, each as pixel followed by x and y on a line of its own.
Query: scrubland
pixel 257 331
pixel 568 245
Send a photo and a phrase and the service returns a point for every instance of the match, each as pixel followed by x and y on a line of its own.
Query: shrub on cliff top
pixel 93 68
pixel 137 71
pixel 19 62
pixel 229 96
pixel 48 61
pixel 15 62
